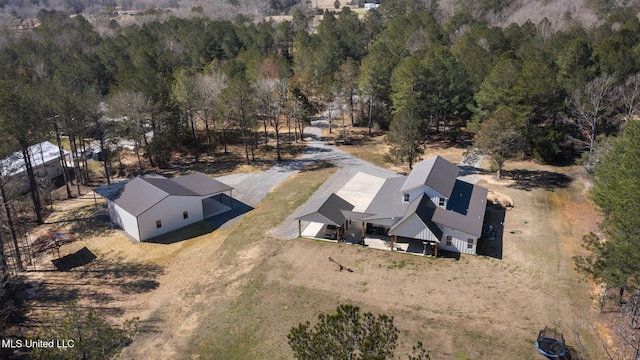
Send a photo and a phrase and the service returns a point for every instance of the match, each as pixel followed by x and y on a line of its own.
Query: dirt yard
pixel 236 293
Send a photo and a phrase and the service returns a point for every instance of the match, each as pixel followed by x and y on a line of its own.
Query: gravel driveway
pixel 251 188
pixel 348 165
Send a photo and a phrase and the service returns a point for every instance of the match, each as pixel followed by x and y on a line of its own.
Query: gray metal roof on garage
pixel 327 209
pixel 138 195
pixel 202 184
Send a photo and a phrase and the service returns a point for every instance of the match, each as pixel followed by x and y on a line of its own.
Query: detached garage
pixel 152 205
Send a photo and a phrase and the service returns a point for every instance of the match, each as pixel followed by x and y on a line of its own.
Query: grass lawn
pixel 236 293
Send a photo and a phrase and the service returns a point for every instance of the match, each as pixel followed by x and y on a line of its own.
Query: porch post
pixel 435 250
pixel 393 242
pixel 299 228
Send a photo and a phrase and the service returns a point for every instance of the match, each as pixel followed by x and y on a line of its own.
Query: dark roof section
pixel 327 210
pixel 471 223
pixel 140 194
pixel 424 208
pixel 460 197
pixel 388 201
pixel 202 184
pixel 435 172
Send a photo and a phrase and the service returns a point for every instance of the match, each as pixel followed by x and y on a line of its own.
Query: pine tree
pixel 616 190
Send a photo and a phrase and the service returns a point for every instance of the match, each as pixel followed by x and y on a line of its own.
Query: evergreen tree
pixel 616 190
pixel 406 135
pixel 500 137
pixel 346 335
pixel 87 335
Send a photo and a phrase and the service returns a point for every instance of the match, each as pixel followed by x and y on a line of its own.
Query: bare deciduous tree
pixel 592 107
pixel 273 94
pixel 207 89
pixel 133 107
pixel 630 96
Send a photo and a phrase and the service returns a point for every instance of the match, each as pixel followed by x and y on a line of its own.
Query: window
pixel 405 198
pixel 158 224
pixel 469 243
pixel 441 202
pixel 448 240
pixel 185 214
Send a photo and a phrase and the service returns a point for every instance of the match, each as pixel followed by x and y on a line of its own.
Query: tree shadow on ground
pixel 537 179
pixel 217 164
pixel 466 170
pixel 318 165
pixel 102 282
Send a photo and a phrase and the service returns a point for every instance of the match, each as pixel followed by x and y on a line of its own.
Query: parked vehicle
pixel 331 232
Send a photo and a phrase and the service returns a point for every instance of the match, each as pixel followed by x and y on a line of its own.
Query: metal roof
pixel 468 220
pixel 140 194
pixel 360 190
pixel 169 186
pixel 40 153
pixel 436 172
pixel 326 209
pixel 388 201
pixel 202 184
pixel 424 208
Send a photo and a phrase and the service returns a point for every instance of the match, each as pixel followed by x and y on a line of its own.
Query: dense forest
pixel 552 93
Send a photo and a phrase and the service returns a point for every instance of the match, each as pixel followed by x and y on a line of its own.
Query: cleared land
pixel 235 293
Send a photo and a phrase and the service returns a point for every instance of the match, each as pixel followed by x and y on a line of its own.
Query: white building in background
pixel 370 6
pixel 45 161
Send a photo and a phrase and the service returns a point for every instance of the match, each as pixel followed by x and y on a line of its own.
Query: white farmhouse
pixel 151 205
pixel 428 207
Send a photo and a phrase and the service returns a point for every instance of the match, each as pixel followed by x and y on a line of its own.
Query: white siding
pixel 433 195
pixel 169 212
pixel 124 220
pixel 414 228
pixel 50 170
pixel 459 241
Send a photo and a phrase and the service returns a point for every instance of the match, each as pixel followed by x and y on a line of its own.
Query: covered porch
pixel 356 232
